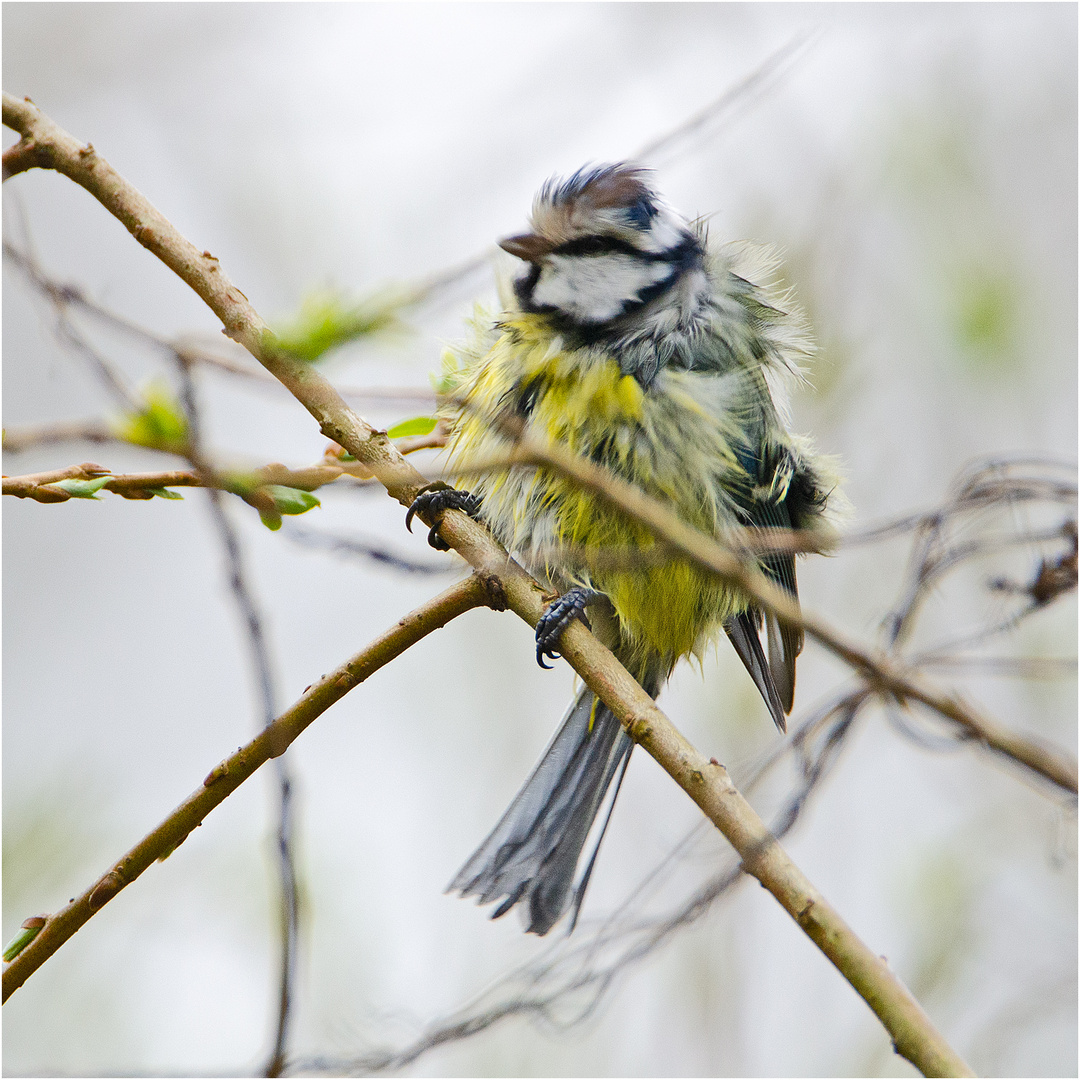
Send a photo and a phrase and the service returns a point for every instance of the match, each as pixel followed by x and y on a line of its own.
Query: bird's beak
pixel 527 246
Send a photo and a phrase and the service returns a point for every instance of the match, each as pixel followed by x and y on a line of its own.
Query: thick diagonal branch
pixel 225 778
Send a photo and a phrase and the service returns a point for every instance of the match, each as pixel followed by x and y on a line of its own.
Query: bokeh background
pixel 917 167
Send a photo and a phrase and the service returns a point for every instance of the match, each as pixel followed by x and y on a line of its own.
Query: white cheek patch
pixel 597 288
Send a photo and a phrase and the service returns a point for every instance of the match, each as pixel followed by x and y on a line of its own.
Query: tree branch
pixel 226 777
pixel 16 440
pixel 135 485
pixel 707 783
pixel 876 667
pixel 41 486
pixel 262 668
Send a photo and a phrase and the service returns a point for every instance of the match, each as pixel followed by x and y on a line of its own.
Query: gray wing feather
pixel 532 853
pixel 785 644
pixel 743 634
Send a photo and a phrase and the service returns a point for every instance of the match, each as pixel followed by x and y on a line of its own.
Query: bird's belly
pixel 665 607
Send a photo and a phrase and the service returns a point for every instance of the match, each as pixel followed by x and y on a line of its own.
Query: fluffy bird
pixel 631 343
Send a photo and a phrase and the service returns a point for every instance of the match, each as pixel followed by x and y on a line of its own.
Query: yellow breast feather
pixel 582 400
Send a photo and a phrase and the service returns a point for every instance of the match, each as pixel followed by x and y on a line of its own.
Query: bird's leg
pixel 433 500
pixel 562 612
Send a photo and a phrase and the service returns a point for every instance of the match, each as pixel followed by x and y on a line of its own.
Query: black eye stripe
pixel 595 245
pixel 607 245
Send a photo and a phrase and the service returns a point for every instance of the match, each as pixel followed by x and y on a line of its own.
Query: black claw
pixel 436 498
pixel 562 612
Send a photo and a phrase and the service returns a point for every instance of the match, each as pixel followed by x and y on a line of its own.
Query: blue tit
pixel 630 342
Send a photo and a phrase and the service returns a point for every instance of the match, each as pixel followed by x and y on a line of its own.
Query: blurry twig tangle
pixel 709 119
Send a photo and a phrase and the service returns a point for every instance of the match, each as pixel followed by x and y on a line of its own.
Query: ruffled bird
pixel 632 343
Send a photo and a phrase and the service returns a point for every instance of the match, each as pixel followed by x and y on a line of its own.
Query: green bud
pixel 29 930
pixel 81 489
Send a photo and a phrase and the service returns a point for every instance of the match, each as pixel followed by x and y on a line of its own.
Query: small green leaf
pixel 328 319
pixel 165 493
pixel 420 425
pixel 289 500
pixel 81 489
pixel 271 519
pixel 160 426
pixel 20 941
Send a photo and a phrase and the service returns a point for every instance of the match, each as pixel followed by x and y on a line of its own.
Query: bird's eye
pixel 592 245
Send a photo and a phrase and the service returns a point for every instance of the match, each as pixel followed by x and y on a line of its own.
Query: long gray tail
pixel 533 852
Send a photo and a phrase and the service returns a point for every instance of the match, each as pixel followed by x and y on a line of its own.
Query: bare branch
pixel 567 982
pixel 15 440
pixel 370 549
pixel 226 777
pixel 259 649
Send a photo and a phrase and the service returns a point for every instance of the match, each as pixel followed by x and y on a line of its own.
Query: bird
pixel 629 338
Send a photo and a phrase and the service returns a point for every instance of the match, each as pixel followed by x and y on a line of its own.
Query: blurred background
pixel 917 167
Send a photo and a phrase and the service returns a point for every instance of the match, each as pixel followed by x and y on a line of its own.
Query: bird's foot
pixel 562 612
pixel 436 498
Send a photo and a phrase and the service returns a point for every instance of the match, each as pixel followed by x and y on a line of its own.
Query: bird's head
pixel 603 246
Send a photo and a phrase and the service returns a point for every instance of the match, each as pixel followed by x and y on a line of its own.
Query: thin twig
pixel 16 440
pixel 879 669
pixel 37 486
pixel 568 981
pixel 370 549
pixel 64 296
pixel 714 113
pixel 259 649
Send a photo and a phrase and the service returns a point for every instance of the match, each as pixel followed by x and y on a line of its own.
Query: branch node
pixel 495 594
pixel 219 772
pixel 106 889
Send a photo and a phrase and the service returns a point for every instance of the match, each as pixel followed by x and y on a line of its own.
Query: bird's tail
pixel 532 854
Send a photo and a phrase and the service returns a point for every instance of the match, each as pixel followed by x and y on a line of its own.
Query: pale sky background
pixel 917 164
